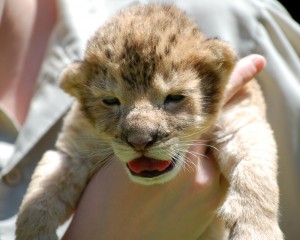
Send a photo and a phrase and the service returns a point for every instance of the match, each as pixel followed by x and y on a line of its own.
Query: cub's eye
pixel 111 101
pixel 174 98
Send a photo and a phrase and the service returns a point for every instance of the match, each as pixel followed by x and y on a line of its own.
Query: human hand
pixel 117 208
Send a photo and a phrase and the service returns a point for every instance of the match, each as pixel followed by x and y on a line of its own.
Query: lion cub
pixel 151 84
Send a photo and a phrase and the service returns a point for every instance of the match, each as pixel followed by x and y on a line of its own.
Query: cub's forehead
pixel 178 82
pixel 147 65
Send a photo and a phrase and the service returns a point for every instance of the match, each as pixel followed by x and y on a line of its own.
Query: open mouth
pixel 149 167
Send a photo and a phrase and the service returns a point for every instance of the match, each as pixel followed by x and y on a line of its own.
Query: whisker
pixel 200 144
pixel 95 142
pixel 198 140
pixel 94 153
pixel 191 135
pixel 188 165
pixel 101 164
pixel 199 131
pixel 197 154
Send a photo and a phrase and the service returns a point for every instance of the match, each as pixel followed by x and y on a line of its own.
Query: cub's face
pixel 149 126
pixel 149 98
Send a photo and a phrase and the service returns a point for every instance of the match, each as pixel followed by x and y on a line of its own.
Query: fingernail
pixel 258 60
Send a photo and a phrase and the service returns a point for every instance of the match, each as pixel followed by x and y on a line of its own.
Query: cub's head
pixel 150 84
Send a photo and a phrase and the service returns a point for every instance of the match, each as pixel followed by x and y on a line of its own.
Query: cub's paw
pixel 40 236
pixel 34 233
pixel 245 221
pixel 232 210
pixel 247 232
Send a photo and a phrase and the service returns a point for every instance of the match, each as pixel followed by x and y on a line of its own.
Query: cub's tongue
pixel 148 164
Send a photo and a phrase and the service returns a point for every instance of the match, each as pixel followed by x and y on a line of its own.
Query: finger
pixel 245 70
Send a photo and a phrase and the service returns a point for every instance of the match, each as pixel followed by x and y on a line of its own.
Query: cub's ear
pixel 214 65
pixel 73 78
pixel 222 56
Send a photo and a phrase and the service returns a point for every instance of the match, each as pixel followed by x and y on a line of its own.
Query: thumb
pixel 245 70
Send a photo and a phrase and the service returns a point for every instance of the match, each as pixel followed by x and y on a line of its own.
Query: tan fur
pixel 140 58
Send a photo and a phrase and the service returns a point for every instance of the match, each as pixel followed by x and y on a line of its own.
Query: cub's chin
pixel 148 171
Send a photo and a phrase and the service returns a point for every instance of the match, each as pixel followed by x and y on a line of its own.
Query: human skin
pixel 121 209
pixel 25 28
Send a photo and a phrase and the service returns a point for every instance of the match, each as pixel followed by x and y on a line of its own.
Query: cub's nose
pixel 141 142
